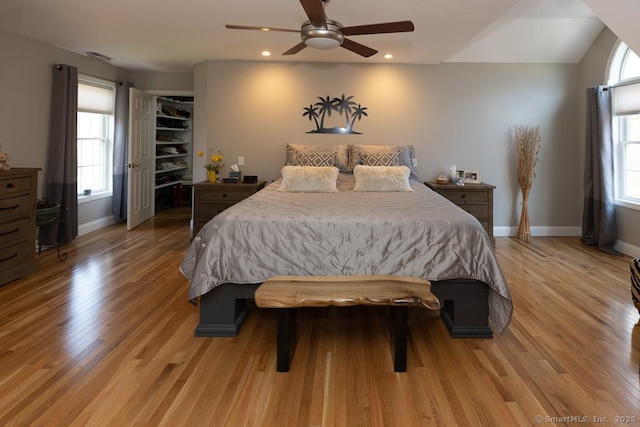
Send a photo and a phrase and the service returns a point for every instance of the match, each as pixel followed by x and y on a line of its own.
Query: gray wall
pixel 459 114
pixel 163 81
pixel 25 101
pixel 452 113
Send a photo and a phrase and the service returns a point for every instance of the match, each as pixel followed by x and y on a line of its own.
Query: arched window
pixel 624 77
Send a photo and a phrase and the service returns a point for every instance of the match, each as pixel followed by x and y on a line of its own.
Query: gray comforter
pixel 418 234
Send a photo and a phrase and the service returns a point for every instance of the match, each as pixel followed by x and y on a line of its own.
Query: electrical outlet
pixel 240 160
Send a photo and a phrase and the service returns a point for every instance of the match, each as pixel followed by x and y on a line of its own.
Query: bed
pixel 415 233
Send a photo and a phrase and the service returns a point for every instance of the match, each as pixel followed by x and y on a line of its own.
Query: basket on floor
pixel 46 212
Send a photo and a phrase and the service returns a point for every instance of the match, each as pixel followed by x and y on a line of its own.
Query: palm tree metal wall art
pixel 344 106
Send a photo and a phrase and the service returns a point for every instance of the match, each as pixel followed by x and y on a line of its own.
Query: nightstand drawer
pixel 459 197
pixel 477 199
pixel 212 198
pixel 209 210
pixel 224 194
pixel 479 211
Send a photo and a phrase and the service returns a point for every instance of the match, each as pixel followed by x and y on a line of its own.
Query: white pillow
pixel 309 179
pixel 381 178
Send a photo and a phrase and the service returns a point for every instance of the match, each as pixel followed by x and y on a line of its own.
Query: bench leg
pixel 286 338
pixel 399 320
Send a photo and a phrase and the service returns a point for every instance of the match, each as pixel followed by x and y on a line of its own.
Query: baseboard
pixel 627 249
pixel 620 246
pixel 539 231
pixel 95 225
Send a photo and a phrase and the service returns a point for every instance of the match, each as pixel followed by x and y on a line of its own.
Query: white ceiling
pixel 170 35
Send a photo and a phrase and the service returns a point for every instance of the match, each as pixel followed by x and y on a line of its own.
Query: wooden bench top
pixel 323 291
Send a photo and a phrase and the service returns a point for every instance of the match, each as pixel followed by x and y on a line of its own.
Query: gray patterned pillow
pixel 342 156
pixel 316 158
pixel 391 158
pixel 407 155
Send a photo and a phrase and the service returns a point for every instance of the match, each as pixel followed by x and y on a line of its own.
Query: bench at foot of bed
pixel 286 293
pixel 465 308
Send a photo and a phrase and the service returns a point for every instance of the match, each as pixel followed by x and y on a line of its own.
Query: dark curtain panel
pixel 599 214
pixel 62 165
pixel 120 146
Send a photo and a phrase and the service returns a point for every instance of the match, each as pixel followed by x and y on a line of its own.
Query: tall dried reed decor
pixel 527 141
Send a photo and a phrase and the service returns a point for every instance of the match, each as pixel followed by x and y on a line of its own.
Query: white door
pixel 141 160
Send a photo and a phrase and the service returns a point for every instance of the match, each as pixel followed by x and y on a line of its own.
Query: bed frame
pixel 465 308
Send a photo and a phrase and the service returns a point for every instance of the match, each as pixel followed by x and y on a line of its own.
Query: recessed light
pixel 266 53
pixel 265 29
pixel 388 56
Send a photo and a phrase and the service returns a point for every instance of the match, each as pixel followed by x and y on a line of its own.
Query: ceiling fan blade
pixel 385 27
pixel 315 11
pixel 245 27
pixel 358 48
pixel 297 48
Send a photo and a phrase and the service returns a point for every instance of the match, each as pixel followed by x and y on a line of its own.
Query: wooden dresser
pixel 18 192
pixel 211 198
pixel 477 199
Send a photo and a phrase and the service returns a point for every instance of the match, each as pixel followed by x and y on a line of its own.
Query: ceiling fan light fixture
pixel 321 37
pixel 322 43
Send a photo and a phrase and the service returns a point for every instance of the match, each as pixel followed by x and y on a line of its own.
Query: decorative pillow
pixel 406 155
pixel 380 159
pixel 316 158
pixel 381 178
pixel 309 179
pixel 342 154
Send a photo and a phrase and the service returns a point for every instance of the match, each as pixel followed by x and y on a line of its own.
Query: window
pixel 624 76
pixel 95 137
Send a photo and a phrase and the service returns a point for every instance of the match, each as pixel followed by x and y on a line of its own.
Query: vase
pixel 211 176
pixel 524 231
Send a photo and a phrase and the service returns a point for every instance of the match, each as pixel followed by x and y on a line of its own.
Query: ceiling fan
pixel 322 33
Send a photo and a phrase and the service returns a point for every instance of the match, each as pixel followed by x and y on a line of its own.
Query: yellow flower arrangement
pixel 215 161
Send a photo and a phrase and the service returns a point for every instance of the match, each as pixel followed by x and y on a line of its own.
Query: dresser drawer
pixel 16 254
pixel 15 207
pixel 14 230
pixel 460 197
pixel 479 211
pixel 9 186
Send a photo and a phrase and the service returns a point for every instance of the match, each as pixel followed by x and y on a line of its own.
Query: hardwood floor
pixel 106 338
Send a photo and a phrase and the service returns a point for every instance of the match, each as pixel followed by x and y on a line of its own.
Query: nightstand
pixel 477 199
pixel 211 198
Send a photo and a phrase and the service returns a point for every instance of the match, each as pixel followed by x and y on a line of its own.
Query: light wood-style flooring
pixel 106 338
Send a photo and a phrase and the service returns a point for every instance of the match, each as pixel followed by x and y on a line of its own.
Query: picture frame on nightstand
pixel 472 176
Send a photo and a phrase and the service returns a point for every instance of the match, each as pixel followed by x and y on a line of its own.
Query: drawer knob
pixel 10 208
pixel 224 194
pixel 10 185
pixel 464 196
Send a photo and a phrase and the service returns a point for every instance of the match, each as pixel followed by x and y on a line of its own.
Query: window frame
pixel 107 138
pixel 620 126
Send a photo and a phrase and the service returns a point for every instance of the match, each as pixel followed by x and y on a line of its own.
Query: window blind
pixel 95 99
pixel 626 99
